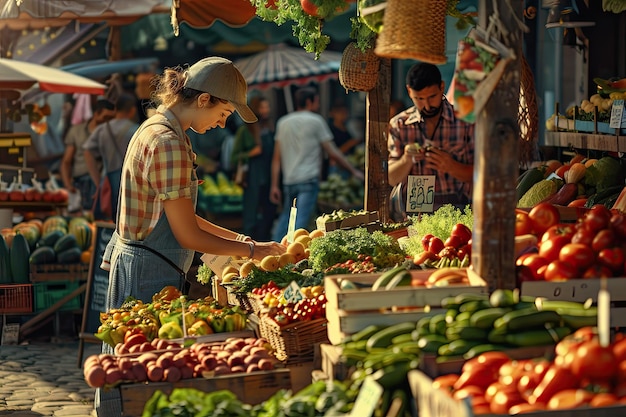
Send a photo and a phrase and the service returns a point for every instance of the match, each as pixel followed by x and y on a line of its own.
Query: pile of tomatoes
pixel 592 247
pixel 306 309
pixel 583 373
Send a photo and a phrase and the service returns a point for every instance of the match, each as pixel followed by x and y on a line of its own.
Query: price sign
pixel 420 193
pixel 368 397
pixel 291 228
pixel 292 293
pixel 618 115
pixel 217 263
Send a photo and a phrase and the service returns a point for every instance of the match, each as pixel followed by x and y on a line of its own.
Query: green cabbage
pixel 605 173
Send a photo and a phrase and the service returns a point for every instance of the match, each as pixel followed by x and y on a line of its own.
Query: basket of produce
pixel 293 342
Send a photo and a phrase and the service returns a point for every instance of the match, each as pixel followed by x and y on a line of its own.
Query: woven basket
pixel 294 342
pixel 358 70
pixel 528 115
pixel 414 29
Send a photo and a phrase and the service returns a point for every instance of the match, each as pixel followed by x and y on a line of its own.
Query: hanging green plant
pixel 308 18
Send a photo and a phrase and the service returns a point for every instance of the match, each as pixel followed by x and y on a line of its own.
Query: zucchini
pixel 382 338
pixel 537 337
pixel 529 178
pixel 484 319
pixel 6 275
pixel 466 333
pixel 437 324
pixel 431 343
pixel 365 333
pixel 526 319
pixel 394 375
pixel 386 277
pixel 20 252
pixel 485 347
pixel 461 346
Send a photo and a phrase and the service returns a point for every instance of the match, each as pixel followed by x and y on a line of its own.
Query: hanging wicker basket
pixel 414 29
pixel 528 115
pixel 358 70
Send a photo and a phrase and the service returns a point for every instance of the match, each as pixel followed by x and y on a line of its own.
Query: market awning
pixel 281 65
pixel 38 14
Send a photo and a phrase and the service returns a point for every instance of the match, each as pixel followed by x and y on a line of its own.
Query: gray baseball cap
pixel 221 78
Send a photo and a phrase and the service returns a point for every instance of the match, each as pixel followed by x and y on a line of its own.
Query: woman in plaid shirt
pixel 427 139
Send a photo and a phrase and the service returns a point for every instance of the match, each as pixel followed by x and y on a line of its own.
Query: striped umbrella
pixel 281 65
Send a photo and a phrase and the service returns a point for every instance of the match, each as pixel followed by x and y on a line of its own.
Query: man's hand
pixel 413 152
pixel 275 195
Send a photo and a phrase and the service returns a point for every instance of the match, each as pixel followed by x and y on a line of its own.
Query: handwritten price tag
pixel 617 115
pixel 292 293
pixel 368 397
pixel 420 193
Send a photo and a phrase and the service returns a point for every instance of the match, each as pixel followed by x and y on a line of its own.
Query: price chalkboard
pixel 97 286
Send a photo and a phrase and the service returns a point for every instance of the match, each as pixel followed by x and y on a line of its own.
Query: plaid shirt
pixel 159 165
pixel 452 135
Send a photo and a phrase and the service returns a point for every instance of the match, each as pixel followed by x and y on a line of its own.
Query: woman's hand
pixel 263 249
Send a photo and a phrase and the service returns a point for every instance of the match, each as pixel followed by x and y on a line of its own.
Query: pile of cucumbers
pixel 477 323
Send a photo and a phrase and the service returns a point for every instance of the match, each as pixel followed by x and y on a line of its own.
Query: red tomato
pixel 618 224
pixel 569 398
pixel 619 350
pixel 463 232
pixel 527 383
pixel 556 379
pixel 445 382
pixel 504 400
pixel 612 258
pixel 578 255
pixel 597 218
pixel 549 249
pixel 523 226
pixel 579 202
pixel 453 241
pixel 603 399
pixel 597 271
pixel 493 359
pixel 309 7
pixel 468 391
pixel 479 375
pixel 524 408
pixel 561 229
pixel 543 216
pixel 594 361
pixel 493 389
pixel 426 241
pixel 584 236
pixel 534 261
pixel 604 238
pixel 560 271
pixel 560 171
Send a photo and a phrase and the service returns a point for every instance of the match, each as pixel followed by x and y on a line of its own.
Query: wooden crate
pixel 432 402
pixel 332 365
pixel 59 272
pixel 349 311
pixel 301 374
pixel 580 290
pixel 252 388
pixel 453 365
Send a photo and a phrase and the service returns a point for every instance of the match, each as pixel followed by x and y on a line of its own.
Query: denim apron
pixel 137 271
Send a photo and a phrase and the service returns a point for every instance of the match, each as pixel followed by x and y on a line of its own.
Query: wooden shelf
pixel 593 141
pixel 31 205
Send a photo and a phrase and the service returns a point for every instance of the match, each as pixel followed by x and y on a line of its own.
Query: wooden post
pixel 496 164
pixel 377 187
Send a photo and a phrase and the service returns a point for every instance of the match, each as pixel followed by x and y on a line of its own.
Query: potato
pixel 154 372
pixel 124 363
pixel 266 364
pixel 222 370
pixel 209 362
pixel 186 372
pixel 235 359
pixel 146 358
pixel 113 376
pixel 238 369
pixel 253 367
pixel 172 374
pixel 139 371
pixel 95 376
pixel 259 351
pixel 165 360
pixel 146 347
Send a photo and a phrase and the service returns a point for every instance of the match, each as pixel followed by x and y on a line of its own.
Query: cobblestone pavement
pixel 43 379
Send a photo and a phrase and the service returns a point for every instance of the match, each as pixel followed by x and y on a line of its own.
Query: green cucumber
pixel 401 279
pixel 365 333
pixel 502 298
pixel 437 324
pixel 431 343
pixel 484 319
pixel 537 337
pixel 526 319
pixel 462 346
pixel 394 375
pixel 386 277
pixel 485 347
pixel 466 333
pixel 576 318
pixel 473 306
pixel 382 338
pixel 401 338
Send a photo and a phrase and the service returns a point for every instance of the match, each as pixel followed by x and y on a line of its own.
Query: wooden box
pixel 252 388
pixel 580 290
pixel 358 220
pixel 432 402
pixel 349 311
pixel 332 365
pixel 59 272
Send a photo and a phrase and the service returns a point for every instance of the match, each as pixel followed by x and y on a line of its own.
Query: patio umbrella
pixel 281 66
pixel 19 75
